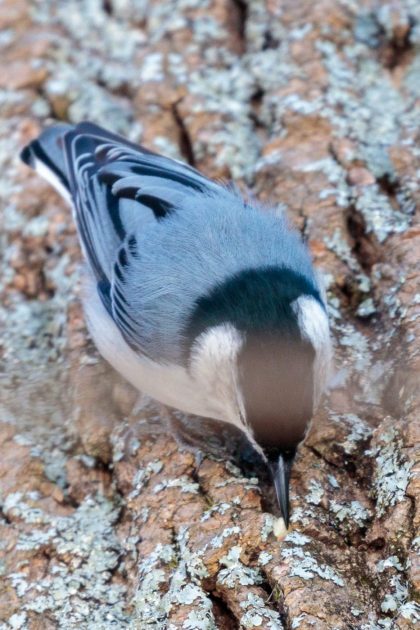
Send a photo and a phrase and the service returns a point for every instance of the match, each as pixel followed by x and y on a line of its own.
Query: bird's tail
pixel 46 155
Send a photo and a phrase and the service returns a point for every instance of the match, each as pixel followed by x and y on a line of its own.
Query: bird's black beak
pixel 280 471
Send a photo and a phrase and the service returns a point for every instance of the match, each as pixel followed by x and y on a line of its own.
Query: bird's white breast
pixel 173 385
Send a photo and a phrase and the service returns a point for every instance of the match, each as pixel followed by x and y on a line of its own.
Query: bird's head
pixel 263 353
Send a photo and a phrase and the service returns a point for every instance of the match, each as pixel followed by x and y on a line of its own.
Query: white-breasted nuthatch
pixel 198 298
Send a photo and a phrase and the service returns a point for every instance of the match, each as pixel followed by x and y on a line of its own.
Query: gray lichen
pixel 392 472
pixel 305 515
pixel 151 607
pixel 396 597
pixel 18 621
pixel 366 308
pixel 257 614
pixel 87 553
pixel 410 611
pixel 391 562
pixel 315 494
pixel 333 482
pixel 307 568
pixel 184 483
pixel 296 538
pixel 217 541
pixel 303 565
pixel 298 620
pixel 380 217
pixel 267 527
pixel 358 430
pixel 220 508
pixel 236 573
pixel 163 588
pixel 264 558
pixel 142 477
pixel 341 248
pixel 353 513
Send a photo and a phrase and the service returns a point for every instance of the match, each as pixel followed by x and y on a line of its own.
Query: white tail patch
pixel 52 179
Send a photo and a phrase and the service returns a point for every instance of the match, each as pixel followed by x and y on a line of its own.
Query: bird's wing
pixel 118 187
pixel 118 191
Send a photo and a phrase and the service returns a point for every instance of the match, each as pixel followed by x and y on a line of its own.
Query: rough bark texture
pixel 105 521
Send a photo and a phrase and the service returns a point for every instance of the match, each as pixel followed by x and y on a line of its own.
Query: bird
pixel 205 300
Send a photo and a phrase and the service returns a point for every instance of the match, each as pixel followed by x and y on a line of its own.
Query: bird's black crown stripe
pixel 254 300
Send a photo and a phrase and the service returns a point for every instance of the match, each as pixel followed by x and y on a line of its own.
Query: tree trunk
pixel 106 520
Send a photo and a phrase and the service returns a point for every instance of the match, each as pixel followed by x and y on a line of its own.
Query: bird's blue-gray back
pixel 204 243
pixel 157 234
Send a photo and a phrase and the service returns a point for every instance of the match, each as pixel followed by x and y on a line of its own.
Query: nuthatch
pixel 199 298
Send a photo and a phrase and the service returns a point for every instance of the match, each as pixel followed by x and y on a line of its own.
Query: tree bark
pixel 106 520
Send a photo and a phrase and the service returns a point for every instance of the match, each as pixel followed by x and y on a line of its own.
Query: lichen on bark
pixel 106 521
